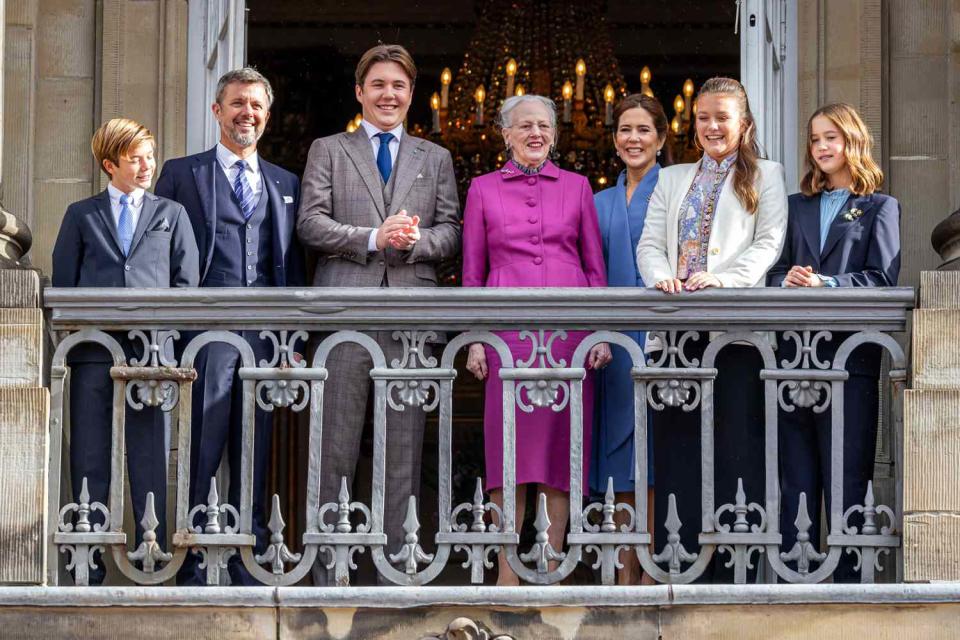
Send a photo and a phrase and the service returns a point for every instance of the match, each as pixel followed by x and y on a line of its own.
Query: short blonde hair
pixel 386 53
pixel 857 149
pixel 115 138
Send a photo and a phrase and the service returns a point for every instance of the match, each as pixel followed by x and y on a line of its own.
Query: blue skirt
pixel 613 425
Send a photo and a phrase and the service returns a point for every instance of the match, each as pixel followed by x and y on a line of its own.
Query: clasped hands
pixel 802 277
pixel 599 357
pixel 399 231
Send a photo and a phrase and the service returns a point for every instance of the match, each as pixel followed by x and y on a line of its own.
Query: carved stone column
pixel 946 242
pixel 15 237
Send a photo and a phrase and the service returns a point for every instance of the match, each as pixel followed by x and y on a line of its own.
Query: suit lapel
pixel 146 215
pixel 204 174
pixel 278 213
pixel 358 148
pixel 810 226
pixel 410 159
pixel 840 226
pixel 106 217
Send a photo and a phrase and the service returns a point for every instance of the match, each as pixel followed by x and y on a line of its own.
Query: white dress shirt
pixel 394 147
pixel 228 160
pixel 135 205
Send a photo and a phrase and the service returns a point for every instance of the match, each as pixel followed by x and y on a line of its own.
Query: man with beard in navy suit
pixel 243 211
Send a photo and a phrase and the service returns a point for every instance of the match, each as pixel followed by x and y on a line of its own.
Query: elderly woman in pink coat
pixel 531 224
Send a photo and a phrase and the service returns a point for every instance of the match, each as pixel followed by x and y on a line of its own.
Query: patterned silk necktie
pixel 125 224
pixel 243 190
pixel 383 156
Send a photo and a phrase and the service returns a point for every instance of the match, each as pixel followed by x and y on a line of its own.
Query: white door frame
pixel 216 43
pixel 768 69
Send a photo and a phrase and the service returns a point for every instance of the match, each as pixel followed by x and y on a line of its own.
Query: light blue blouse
pixel 831 202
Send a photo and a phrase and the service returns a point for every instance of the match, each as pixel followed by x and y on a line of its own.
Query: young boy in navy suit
pixel 122 237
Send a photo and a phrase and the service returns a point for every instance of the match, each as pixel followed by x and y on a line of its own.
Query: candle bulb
pixel 675 124
pixel 480 96
pixel 687 98
pixel 445 78
pixel 581 70
pixel 678 104
pixel 511 72
pixel 520 91
pixel 435 108
pixel 567 92
pixel 357 119
pixel 351 126
pixel 608 96
pixel 645 78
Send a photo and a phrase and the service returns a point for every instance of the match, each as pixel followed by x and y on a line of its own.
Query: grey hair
pixel 513 102
pixel 246 75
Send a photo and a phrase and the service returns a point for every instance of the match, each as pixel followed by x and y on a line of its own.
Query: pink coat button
pixel 531 180
pixel 534 239
pixel 537 260
pixel 532 220
pixel 531 202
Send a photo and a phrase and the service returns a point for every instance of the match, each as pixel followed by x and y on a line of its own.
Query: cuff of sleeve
pixel 372 241
pixel 725 280
pixel 828 281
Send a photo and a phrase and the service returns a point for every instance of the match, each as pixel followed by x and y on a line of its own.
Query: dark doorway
pixel 308 49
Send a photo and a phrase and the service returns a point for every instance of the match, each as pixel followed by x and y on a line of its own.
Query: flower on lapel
pixel 853 214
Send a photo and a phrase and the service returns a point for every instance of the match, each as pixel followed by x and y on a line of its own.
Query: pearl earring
pixel 658 153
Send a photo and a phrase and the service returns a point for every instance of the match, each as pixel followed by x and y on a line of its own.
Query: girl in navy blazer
pixel 840 233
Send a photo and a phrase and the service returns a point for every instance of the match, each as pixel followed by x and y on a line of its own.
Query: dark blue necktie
pixel 243 190
pixel 383 156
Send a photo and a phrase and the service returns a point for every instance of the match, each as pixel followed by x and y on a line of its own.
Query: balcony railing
pixel 340 529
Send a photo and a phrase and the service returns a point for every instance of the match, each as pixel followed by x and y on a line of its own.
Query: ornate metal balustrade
pixel 745 527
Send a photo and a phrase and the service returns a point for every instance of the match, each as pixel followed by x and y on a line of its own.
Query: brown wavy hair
pixel 652 106
pixel 746 167
pixel 857 150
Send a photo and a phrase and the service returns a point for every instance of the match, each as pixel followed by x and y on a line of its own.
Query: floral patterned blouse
pixel 696 214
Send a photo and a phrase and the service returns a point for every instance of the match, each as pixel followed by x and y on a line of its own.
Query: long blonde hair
pixel 857 150
pixel 746 166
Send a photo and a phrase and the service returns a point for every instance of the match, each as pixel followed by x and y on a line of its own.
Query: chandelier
pixel 556 49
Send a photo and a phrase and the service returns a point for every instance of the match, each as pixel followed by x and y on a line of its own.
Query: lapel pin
pixel 852 215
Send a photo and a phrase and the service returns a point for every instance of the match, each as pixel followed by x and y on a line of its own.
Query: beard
pixel 245 139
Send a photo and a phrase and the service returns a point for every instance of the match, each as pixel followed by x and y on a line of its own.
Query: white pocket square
pixel 287 199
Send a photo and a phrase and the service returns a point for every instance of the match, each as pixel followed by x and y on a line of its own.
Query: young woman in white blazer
pixel 719 222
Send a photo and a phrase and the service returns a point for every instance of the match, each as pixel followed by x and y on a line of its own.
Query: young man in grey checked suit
pixel 380 209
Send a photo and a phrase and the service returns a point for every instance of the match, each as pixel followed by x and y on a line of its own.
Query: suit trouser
pixel 738 450
pixel 805 462
pixel 345 396
pixel 91 442
pixel 217 425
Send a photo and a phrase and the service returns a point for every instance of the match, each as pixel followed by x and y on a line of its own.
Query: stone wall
pixel 70 65
pixel 24 411
pixel 931 496
pixel 898 62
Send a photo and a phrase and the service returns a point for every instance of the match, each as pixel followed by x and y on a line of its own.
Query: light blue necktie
pixel 125 224
pixel 383 156
pixel 243 190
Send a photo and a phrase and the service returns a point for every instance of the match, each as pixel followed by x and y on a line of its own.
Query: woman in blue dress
pixel 640 132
